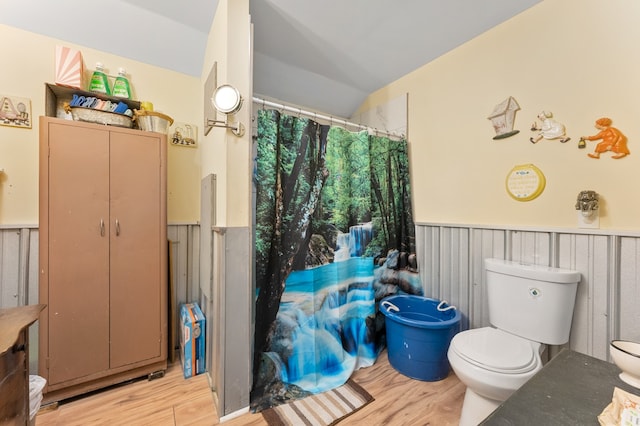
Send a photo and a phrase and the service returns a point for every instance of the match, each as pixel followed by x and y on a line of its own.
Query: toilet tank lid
pixel 535 272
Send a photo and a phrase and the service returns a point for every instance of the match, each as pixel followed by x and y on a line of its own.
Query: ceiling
pixel 325 56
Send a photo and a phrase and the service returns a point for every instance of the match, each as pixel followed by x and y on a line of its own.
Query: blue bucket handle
pixel 441 309
pixel 391 307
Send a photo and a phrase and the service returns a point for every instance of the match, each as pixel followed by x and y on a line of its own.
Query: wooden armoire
pixel 103 256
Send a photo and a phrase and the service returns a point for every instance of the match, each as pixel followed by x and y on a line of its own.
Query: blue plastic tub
pixel 419 331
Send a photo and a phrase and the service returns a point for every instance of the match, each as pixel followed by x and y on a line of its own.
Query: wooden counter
pixel 572 389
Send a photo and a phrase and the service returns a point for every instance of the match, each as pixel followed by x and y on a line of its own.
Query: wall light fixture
pixel 588 207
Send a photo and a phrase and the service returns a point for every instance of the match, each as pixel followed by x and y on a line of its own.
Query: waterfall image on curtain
pixel 334 235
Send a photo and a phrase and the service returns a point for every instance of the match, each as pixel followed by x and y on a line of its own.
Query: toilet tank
pixel 531 301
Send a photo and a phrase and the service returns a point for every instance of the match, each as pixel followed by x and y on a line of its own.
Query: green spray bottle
pixel 121 87
pixel 99 82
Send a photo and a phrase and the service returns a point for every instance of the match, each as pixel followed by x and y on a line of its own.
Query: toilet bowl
pixel 493 364
pixel 530 307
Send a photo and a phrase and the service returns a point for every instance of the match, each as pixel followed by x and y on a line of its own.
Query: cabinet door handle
pixel 117 227
pixel 102 227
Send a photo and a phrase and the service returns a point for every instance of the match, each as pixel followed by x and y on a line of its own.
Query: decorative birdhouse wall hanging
pixel 503 118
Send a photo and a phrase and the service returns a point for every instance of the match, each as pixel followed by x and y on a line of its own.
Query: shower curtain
pixel 334 234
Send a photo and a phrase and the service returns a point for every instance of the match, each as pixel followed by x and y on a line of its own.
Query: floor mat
pixel 323 409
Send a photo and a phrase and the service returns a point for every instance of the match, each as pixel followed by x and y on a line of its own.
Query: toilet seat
pixel 495 350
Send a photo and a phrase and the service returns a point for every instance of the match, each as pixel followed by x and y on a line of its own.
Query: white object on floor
pixel 36 384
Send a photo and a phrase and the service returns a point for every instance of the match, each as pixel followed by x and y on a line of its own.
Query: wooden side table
pixel 14 363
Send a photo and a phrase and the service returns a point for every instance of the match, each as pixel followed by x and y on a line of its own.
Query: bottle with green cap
pixel 121 87
pixel 99 82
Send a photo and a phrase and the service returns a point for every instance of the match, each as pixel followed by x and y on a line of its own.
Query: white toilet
pixel 530 306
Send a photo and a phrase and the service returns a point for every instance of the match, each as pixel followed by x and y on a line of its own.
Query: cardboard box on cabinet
pixel 192 339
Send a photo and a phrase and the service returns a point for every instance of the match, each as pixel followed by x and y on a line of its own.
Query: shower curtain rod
pixel 314 115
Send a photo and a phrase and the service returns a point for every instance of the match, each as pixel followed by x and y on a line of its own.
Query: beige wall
pixel 224 154
pixel 28 62
pixel 579 61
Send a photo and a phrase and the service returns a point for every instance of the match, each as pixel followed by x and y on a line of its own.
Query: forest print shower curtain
pixel 334 235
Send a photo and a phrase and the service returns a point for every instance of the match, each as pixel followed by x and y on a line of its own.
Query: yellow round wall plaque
pixel 525 182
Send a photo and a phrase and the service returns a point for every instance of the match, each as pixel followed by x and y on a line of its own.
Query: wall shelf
pixel 56 96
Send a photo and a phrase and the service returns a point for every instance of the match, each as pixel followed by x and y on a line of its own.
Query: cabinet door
pixel 78 252
pixel 137 210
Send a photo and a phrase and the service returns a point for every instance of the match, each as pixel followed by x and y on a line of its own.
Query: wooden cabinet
pixel 14 363
pixel 103 255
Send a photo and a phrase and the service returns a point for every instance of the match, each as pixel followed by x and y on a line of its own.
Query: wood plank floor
pixel 172 400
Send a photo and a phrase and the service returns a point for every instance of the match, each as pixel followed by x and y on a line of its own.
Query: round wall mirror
pixel 226 99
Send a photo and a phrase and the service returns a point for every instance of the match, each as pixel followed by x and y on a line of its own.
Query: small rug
pixel 323 409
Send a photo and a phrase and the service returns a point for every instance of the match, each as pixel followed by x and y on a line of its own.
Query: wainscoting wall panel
pixel 629 289
pixel 19 277
pixel 450 258
pixel 185 248
pixel 18 267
